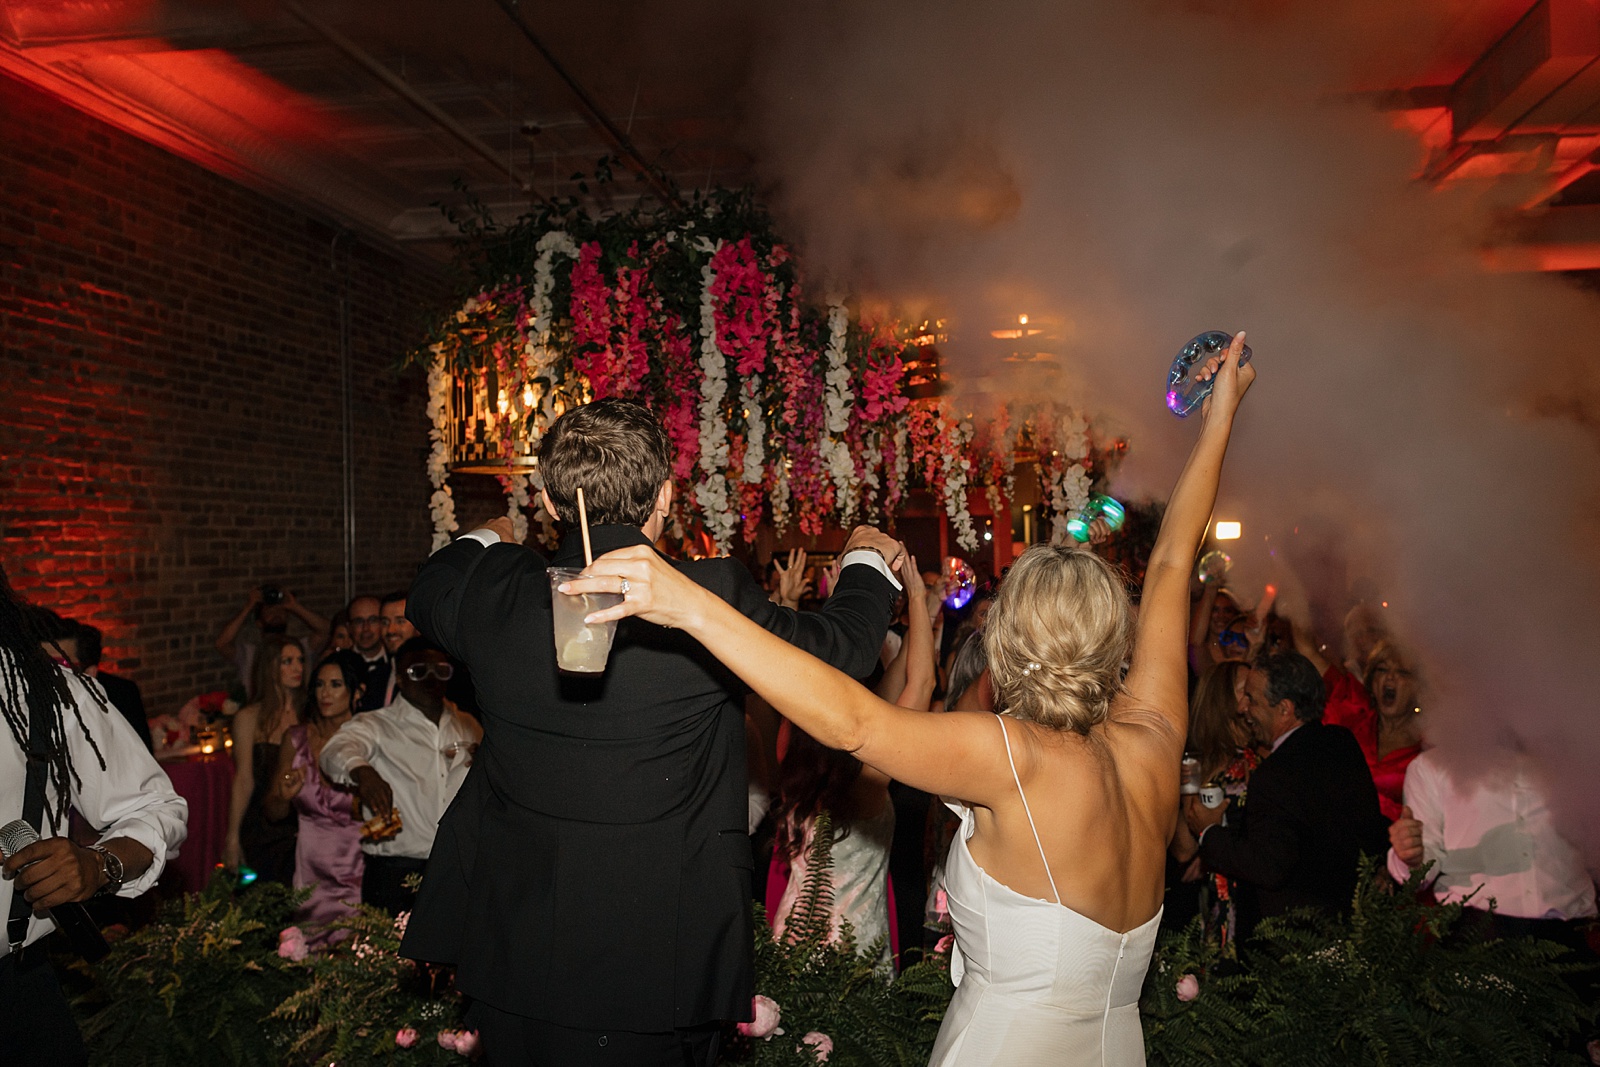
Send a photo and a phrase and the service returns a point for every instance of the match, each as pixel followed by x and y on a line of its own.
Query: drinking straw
pixel 583 521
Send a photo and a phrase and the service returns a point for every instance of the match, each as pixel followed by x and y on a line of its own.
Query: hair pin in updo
pixel 1030 668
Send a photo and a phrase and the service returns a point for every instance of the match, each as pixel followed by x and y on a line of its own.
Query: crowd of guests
pixel 1307 760
pixel 357 732
pixel 1310 761
pixel 352 744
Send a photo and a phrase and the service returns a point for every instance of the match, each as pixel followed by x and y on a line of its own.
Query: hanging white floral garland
pixel 442 506
pixel 712 491
pixel 835 451
pixel 539 354
pixel 871 481
pixel 517 505
pixel 955 486
pixel 1069 483
pixel 755 451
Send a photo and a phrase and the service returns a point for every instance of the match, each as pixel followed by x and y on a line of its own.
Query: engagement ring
pixel 624 589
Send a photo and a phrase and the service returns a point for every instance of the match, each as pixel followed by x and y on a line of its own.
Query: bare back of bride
pixel 1067 799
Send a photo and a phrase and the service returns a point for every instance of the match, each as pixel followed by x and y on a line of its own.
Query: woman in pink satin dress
pixel 328 853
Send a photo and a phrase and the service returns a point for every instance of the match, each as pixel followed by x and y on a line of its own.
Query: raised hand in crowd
pixel 1405 837
pixel 830 577
pixel 921 647
pixel 875 539
pixel 791 579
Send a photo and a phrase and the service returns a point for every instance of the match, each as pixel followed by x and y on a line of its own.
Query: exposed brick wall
pixel 169 395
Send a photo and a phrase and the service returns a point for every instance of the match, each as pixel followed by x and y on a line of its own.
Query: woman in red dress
pixel 1396 732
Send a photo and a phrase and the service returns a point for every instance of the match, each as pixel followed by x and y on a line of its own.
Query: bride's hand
pixel 1233 381
pixel 652 588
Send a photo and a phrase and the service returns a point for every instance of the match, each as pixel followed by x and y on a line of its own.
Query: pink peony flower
pixel 1594 1051
pixel 1188 988
pixel 767 1017
pixel 944 944
pixel 292 944
pixel 405 1037
pixel 821 1042
pixel 447 1039
pixel 467 1043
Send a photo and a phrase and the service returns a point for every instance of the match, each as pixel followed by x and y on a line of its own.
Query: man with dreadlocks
pixel 65 749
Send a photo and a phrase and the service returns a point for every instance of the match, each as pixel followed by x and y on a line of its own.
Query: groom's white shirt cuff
pixel 487 537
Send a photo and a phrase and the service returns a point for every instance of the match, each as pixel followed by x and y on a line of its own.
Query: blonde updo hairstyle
pixel 1058 638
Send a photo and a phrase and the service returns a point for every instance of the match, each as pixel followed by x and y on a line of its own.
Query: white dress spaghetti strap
pixel 1036 983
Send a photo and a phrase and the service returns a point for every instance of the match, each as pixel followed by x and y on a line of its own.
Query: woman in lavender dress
pixel 328 853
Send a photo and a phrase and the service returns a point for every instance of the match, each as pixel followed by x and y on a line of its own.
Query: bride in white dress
pixel 1068 800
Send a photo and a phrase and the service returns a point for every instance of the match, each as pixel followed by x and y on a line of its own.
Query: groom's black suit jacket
pixel 594 869
pixel 1310 811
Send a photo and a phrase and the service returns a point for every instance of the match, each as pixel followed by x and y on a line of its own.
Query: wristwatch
pixel 111 867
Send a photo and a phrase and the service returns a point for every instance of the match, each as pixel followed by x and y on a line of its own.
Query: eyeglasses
pixel 1233 639
pixel 442 671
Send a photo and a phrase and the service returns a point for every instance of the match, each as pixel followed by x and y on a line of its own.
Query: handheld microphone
pixel 70 918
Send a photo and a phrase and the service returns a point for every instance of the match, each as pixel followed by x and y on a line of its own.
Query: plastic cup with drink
pixel 581 647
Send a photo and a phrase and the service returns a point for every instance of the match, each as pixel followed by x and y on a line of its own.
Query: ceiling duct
pixel 1554 41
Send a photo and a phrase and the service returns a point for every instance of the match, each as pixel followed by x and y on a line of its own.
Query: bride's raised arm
pixel 1157 678
pixel 956 754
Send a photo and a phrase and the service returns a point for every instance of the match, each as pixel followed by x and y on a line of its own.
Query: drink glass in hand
pixel 580 647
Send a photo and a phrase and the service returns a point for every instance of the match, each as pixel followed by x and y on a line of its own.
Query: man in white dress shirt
pixel 410 758
pixel 1493 840
pixel 88 758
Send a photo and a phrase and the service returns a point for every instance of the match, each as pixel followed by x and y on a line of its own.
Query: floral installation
pixel 779 410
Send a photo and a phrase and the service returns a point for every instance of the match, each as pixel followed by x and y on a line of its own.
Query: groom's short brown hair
pixel 617 450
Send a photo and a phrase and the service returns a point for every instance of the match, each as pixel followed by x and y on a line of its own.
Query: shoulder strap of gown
pixel 1026 810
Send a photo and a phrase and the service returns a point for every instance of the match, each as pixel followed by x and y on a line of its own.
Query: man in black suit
pixel 591 881
pixel 122 692
pixel 1310 809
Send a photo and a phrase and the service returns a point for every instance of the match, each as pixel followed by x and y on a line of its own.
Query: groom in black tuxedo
pixel 591 881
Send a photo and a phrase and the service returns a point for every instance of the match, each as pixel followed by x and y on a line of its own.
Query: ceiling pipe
pixel 596 117
pixel 403 89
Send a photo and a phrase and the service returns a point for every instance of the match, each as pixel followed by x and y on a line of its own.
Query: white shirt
pixel 131 798
pixel 424 765
pixel 871 558
pixel 1497 833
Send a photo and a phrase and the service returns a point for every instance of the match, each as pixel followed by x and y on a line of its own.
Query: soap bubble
pixel 960 580
pixel 1214 566
pixel 1099 506
pixel 1185 393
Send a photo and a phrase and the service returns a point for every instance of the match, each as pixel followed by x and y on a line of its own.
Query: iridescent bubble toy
pixel 1213 567
pixel 1185 392
pixel 960 581
pixel 1099 506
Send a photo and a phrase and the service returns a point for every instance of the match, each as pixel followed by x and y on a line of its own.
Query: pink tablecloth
pixel 205 784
